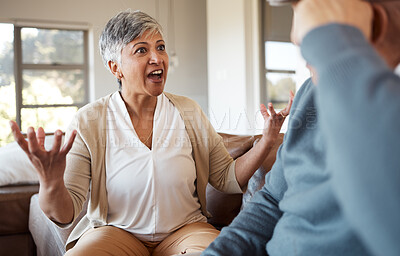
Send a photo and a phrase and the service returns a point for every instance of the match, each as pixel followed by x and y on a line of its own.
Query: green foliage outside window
pixel 41 86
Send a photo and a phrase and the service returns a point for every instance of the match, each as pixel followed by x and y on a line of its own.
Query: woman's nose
pixel 155 58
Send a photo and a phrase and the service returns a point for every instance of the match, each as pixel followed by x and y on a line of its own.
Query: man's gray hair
pixel 122 29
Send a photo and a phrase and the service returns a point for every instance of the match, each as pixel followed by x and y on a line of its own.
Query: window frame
pixel 274 28
pixel 276 71
pixel 19 68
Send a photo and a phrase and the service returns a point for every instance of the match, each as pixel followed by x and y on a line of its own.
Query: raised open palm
pixel 50 165
pixel 274 121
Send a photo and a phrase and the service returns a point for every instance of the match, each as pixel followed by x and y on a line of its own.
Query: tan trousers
pixel 109 240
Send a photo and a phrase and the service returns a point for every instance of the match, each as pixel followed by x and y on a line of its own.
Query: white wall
pixel 233 43
pixel 189 78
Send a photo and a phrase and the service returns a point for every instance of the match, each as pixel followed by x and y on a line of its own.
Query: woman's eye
pixel 141 50
pixel 161 47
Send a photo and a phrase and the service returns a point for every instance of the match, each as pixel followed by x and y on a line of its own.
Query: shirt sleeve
pixel 358 99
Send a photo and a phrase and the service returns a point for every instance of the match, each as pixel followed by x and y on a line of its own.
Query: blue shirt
pixel 335 186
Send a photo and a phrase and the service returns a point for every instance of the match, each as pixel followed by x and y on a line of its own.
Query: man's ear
pixel 114 68
pixel 380 24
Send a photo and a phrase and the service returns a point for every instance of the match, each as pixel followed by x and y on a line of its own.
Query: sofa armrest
pixel 15 238
pixel 225 207
pixel 49 238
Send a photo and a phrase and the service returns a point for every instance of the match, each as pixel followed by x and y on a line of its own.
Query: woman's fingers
pixel 271 109
pixel 67 147
pixel 285 112
pixel 33 145
pixel 57 143
pixel 264 111
pixel 36 140
pixel 40 137
pixel 282 114
pixel 290 101
pixel 272 113
pixel 291 97
pixel 18 137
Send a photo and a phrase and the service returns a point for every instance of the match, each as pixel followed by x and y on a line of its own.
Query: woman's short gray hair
pixel 122 29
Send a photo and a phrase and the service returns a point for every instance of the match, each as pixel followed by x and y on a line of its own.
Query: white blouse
pixel 151 193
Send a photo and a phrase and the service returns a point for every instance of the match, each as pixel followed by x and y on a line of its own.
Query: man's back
pixel 296 211
pixel 312 220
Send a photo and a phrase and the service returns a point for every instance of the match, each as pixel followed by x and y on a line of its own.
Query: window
pixel 7 82
pixel 285 69
pixel 43 77
pixel 280 64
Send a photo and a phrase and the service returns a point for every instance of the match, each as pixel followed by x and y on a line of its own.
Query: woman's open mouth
pixel 156 76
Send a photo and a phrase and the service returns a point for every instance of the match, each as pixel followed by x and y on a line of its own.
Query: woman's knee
pixel 108 240
pixel 194 237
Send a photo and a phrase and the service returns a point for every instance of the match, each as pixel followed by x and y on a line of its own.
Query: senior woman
pixel 146 155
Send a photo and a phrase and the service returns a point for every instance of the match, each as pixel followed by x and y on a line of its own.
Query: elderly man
pixel 335 186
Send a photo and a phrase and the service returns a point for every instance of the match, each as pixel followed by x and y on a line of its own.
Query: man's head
pixel 383 31
pixel 285 2
pixel 386 30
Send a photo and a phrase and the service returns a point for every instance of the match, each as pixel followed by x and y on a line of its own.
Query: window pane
pixel 48 46
pixel 278 86
pixel 53 87
pixel 280 55
pixel 7 82
pixel 50 119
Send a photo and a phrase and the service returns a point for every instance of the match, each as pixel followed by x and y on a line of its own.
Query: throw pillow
pixel 15 166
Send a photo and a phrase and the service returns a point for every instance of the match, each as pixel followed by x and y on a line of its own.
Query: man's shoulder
pixel 307 87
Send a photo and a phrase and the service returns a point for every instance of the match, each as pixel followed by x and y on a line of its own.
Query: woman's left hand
pixel 249 162
pixel 273 121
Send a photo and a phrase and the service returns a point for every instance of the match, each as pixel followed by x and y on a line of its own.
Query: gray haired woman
pixel 147 156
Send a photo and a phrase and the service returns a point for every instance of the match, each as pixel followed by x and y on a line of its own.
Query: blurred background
pixel 228 55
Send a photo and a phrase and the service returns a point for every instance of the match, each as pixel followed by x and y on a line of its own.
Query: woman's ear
pixel 114 68
pixel 380 24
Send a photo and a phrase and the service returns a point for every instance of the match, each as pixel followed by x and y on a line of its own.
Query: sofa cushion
pixel 17 244
pixel 223 207
pixel 15 167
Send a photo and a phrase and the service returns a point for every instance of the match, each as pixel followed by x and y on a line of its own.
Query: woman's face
pixel 144 65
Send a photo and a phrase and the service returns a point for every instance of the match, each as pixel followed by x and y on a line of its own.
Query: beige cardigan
pixel 86 160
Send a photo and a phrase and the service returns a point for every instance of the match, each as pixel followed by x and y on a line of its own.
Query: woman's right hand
pixel 50 165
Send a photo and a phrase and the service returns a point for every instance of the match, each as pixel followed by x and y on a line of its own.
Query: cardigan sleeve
pixel 222 174
pixel 77 172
